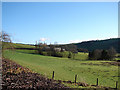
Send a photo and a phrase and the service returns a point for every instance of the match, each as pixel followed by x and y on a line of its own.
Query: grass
pixel 81 56
pixel 16 45
pixel 65 69
pixel 22 46
pixel 26 51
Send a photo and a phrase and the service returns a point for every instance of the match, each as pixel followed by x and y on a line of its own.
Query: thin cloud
pixel 43 39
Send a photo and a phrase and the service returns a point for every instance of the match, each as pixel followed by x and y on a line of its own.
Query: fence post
pixel 53 75
pixel 97 82
pixel 116 84
pixel 75 78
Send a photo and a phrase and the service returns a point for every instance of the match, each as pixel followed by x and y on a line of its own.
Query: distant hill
pixel 89 45
pixel 100 44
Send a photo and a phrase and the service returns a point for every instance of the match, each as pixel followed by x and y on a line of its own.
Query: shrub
pixel 70 55
pixel 95 54
pixel 102 54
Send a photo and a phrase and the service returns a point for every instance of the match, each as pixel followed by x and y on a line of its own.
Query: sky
pixel 61 22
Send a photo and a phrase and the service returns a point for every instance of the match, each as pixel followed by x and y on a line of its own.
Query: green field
pixel 65 69
pixel 16 45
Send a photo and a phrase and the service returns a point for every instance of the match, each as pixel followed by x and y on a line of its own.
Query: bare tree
pixel 5 40
pixel 4 37
pixel 111 53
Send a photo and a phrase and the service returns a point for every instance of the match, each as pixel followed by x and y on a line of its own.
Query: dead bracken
pixel 15 76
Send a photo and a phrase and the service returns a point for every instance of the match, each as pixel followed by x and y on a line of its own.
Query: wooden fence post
pixel 97 82
pixel 53 75
pixel 116 84
pixel 75 78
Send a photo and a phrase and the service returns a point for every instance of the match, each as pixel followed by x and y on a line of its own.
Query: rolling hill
pixel 89 45
pixel 100 44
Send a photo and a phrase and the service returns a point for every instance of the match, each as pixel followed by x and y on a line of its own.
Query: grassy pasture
pixel 81 56
pixel 16 45
pixel 65 69
pixel 26 51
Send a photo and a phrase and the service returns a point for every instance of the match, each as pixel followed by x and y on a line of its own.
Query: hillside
pixel 65 69
pixel 89 45
pixel 100 44
pixel 23 78
pixel 6 45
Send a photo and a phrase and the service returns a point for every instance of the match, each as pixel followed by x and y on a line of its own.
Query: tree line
pixel 102 54
pixel 68 51
pixel 72 50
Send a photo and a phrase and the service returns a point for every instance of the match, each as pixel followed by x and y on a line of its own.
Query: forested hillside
pixel 100 44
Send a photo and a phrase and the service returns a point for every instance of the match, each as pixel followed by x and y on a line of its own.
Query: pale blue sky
pixel 64 22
